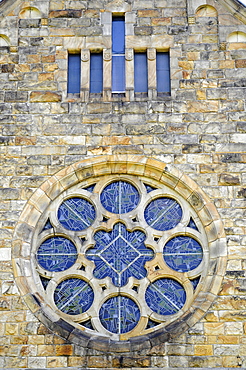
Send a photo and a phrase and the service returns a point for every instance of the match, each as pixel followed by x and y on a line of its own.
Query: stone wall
pixel 199 129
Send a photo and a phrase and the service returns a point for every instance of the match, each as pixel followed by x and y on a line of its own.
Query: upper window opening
pixel 140 73
pixel 163 72
pixel 118 54
pixel 74 72
pixel 96 73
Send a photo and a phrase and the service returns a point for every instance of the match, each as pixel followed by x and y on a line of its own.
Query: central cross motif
pixel 119 254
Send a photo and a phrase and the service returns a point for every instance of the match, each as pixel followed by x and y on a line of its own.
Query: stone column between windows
pixel 151 56
pixel 107 74
pixel 129 74
pixel 85 75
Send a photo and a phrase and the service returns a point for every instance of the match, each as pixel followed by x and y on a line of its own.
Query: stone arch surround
pixel 118 165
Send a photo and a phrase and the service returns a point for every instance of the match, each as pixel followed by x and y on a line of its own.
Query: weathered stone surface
pixel 198 128
pixel 47 96
pixel 68 13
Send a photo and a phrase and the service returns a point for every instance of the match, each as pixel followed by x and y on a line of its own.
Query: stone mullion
pixel 85 74
pixel 152 83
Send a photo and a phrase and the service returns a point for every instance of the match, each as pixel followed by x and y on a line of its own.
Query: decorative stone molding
pixel 107 54
pixel 85 55
pixel 129 54
pixel 151 53
pixel 188 214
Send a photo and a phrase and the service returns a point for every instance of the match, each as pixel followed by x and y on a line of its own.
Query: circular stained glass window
pixel 183 253
pixel 123 255
pixel 73 296
pixel 119 197
pixel 63 256
pixel 76 214
pixel 163 213
pixel 119 314
pixel 165 296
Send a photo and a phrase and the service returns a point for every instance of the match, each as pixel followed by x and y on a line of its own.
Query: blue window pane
pixel 87 324
pixel 76 214
pixel 96 73
pixel 119 197
pixel 183 253
pixel 74 72
pixel 140 72
pixel 149 188
pixel 118 35
pixel 151 324
pixel 119 314
pixel 119 254
pixel 118 73
pixel 73 296
pixel 195 282
pixel 165 296
pixel 48 225
pixel 192 224
pixel 44 281
pixel 163 213
pixel 163 72
pixel 56 254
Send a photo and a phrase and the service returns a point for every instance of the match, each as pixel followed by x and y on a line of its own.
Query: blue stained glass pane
pixel 140 72
pixel 48 225
pixel 163 213
pixel 151 324
pixel 90 188
pixel 44 281
pixel 163 72
pixel 149 188
pixel 118 35
pixel 192 225
pixel 118 74
pixel 74 72
pixel 182 253
pixel 76 214
pixel 56 254
pixel 87 324
pixel 119 254
pixel 119 197
pixel 165 296
pixel 73 296
pixel 96 73
pixel 119 314
pixel 195 282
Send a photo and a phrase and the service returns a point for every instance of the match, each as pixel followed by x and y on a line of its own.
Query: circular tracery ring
pixel 122 254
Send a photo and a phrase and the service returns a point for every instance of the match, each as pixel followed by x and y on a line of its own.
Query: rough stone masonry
pixel 198 128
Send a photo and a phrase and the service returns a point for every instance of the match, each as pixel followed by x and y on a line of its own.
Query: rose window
pixel 120 256
pixel 121 231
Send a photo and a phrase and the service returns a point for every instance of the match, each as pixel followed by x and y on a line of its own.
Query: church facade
pixel 122 184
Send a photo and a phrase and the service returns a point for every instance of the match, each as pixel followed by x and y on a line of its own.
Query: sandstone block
pixel 47 96
pixel 203 350
pixel 228 179
pixel 143 31
pixel 68 13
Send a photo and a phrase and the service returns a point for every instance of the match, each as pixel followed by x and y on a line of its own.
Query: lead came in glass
pixel 119 314
pixel 119 197
pixel 163 213
pixel 56 254
pixel 119 254
pixel 76 214
pixel 73 296
pixel 182 253
pixel 165 296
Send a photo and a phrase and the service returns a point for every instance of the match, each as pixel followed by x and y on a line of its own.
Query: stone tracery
pixel 121 254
